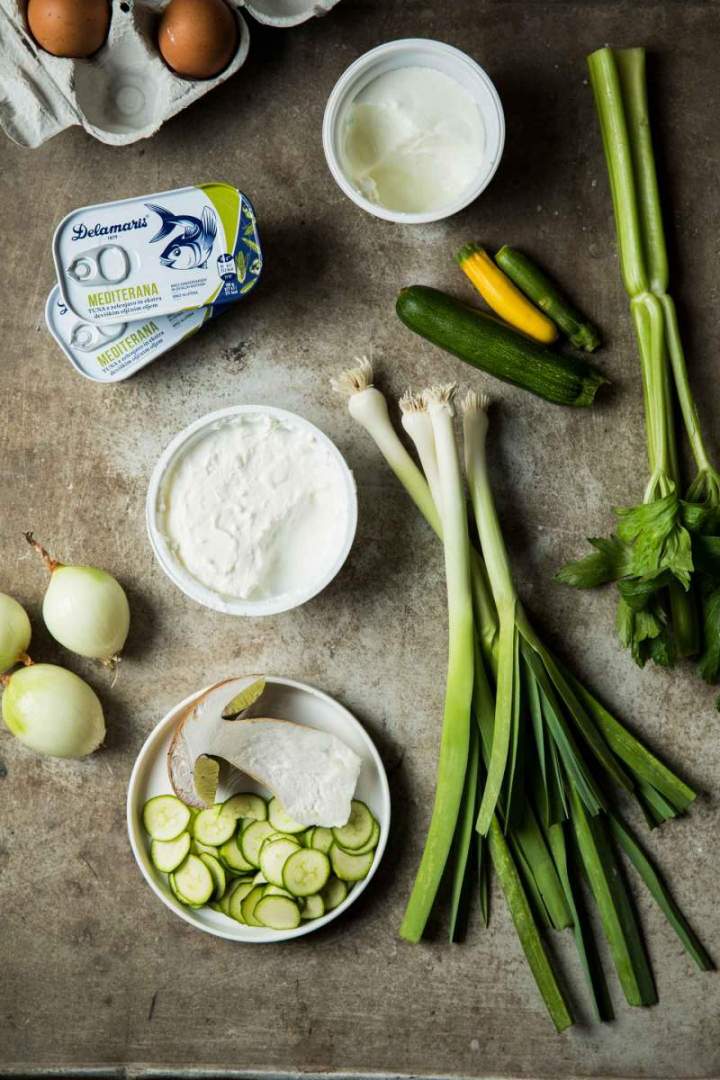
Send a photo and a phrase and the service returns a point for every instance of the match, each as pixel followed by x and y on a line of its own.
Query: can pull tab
pixel 108 263
pixel 84 337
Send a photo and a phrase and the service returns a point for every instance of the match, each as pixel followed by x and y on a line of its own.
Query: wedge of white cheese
pixel 312 773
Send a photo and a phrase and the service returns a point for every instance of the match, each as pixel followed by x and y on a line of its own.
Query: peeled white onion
pixel 53 711
pixel 15 632
pixel 87 611
pixel 85 608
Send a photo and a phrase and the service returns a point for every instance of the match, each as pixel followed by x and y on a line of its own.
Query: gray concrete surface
pixel 94 971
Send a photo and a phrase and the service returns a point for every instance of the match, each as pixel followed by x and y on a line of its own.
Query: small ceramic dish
pixel 190 585
pixel 287 700
pixel 423 53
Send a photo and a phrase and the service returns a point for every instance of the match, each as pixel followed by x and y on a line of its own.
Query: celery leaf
pixel 611 560
pixel 658 538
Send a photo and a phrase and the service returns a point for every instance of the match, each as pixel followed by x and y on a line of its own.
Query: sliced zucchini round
pixel 238 894
pixel 167 855
pixel 350 867
pixel 178 895
pixel 274 855
pixel 198 848
pixel 305 872
pixel 313 907
pixel 371 844
pixel 280 820
pixel 231 854
pixel 194 881
pixel 356 832
pixel 277 912
pixel 213 826
pixel 275 890
pixel 275 835
pixel 248 904
pixel 217 873
pixel 322 839
pixel 165 817
pixel 251 840
pixel 242 875
pixel 334 893
pixel 224 903
pixel 246 805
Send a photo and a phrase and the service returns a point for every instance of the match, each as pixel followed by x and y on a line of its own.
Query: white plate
pixel 288 700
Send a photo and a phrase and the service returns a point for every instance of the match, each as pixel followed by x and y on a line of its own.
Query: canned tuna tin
pixel 122 261
pixel 111 353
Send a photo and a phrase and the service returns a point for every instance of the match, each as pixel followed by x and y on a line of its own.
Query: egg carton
pixel 125 91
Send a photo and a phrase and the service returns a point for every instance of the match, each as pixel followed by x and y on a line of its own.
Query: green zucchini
pixel 535 283
pixel 492 346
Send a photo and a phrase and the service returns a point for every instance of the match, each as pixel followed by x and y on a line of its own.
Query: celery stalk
pixel 631 69
pixel 618 83
pixel 605 82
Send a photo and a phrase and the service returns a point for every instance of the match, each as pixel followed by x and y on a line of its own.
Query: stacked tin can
pixel 137 276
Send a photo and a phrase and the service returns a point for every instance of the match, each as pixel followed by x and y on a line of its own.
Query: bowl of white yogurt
pixel 413 131
pixel 251 510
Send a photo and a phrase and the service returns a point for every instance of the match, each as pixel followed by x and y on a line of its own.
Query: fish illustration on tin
pixel 192 244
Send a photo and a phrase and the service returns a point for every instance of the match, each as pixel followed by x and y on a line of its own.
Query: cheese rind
pixel 312 773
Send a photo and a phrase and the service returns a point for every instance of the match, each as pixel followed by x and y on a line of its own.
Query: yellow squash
pixel 498 291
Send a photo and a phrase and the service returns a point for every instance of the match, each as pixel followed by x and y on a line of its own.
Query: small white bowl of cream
pixel 251 510
pixel 413 131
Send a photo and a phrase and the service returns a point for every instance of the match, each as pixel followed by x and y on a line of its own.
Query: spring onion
pixel 368 406
pixel 454 743
pixel 658 555
pixel 548 791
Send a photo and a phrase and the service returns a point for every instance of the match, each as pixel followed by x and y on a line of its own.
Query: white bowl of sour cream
pixel 251 510
pixel 413 131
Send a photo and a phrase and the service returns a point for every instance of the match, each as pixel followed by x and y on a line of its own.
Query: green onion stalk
pixel 659 553
pixel 455 741
pixel 531 764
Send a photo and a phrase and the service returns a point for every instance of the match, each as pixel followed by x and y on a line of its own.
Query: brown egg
pixel 73 28
pixel 197 38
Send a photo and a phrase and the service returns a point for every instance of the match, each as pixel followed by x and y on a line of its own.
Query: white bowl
pixel 271 605
pixel 288 700
pixel 415 52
